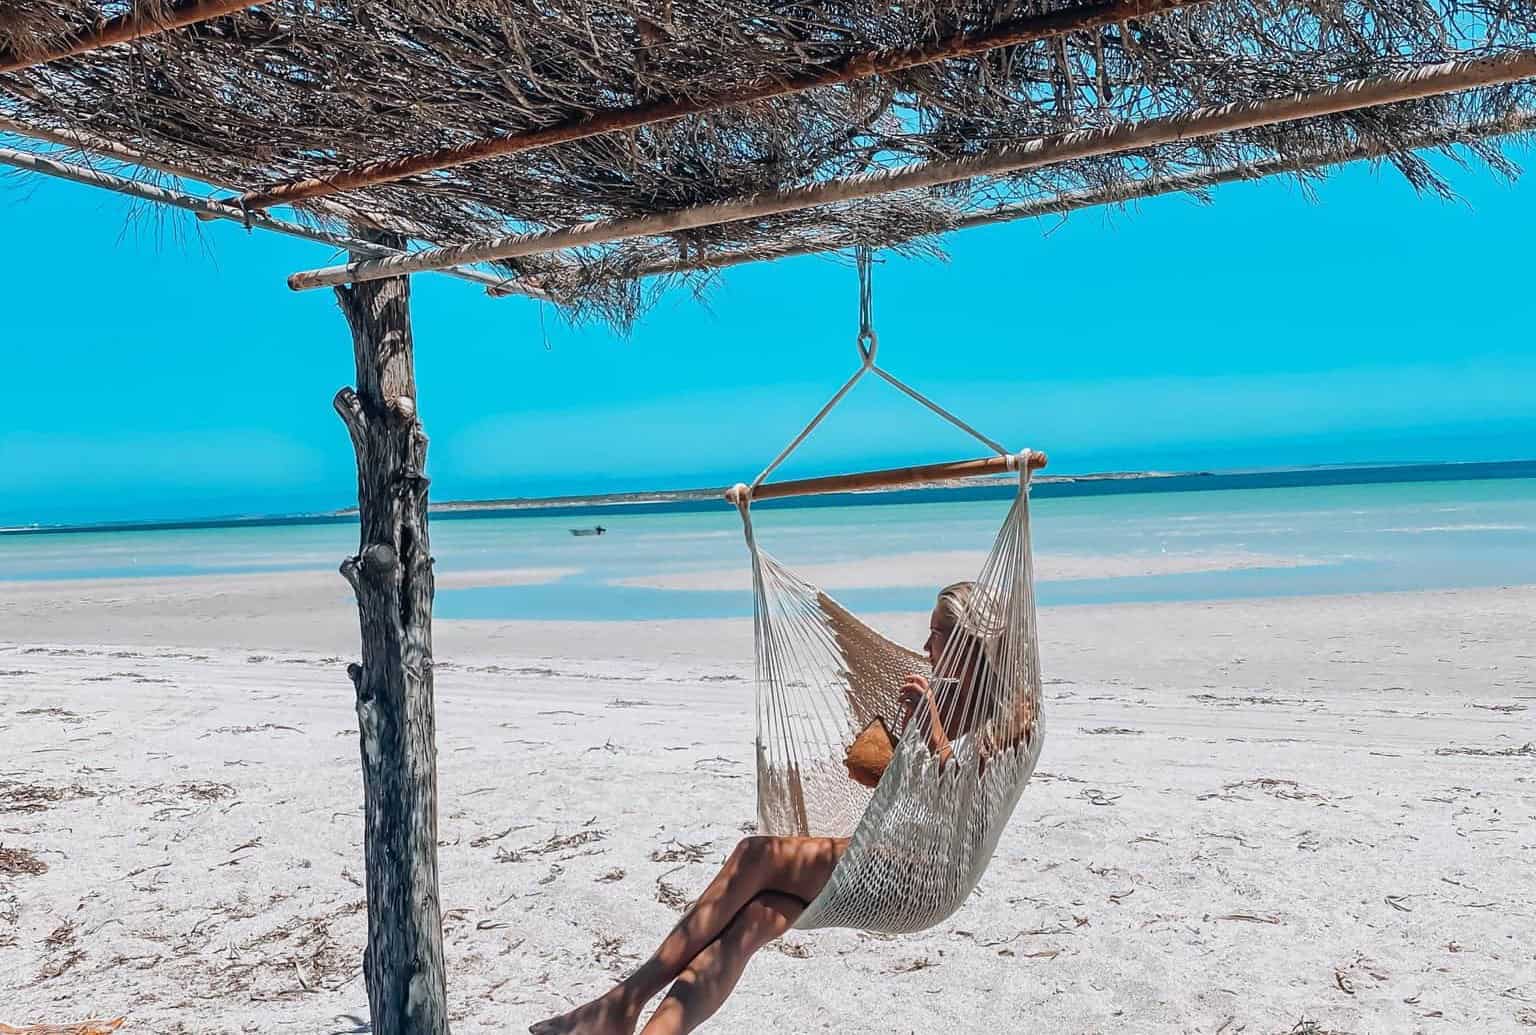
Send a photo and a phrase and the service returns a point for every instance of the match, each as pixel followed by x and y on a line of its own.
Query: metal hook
pixel 867 343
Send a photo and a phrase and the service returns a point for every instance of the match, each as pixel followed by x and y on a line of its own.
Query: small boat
pixel 596 530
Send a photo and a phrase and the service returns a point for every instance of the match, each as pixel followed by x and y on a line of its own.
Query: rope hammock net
pixel 922 838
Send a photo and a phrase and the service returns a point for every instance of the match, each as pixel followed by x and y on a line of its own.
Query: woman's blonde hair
pixel 972 620
pixel 953 600
pixel 968 605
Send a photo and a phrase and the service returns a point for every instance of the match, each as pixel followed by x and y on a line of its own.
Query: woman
pixel 769 881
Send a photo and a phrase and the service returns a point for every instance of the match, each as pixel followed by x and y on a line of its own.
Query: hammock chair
pixel 920 841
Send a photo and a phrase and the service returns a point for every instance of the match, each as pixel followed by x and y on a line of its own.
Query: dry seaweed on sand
pixel 204 790
pixel 608 952
pixel 565 842
pixel 33 797
pixel 262 728
pixel 300 954
pixel 681 851
pixel 671 895
pixel 22 861
pixel 1310 1027
pixel 62 935
pixel 1274 787
pixel 56 968
pixel 1527 750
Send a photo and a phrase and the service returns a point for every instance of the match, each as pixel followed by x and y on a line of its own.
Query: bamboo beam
pixel 1425 81
pixel 46 166
pixel 889 478
pixel 213 209
pixel 100 147
pixel 856 66
pixel 1139 190
pixel 135 25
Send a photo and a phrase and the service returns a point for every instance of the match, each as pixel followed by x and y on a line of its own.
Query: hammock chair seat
pixel 921 840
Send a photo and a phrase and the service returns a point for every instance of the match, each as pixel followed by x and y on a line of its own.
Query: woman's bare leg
pixel 797 866
pixel 704 985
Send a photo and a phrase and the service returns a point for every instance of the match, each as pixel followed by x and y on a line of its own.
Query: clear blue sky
pixel 161 369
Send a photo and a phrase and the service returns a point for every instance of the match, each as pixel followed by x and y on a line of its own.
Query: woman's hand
pixel 914 694
pixel 917 698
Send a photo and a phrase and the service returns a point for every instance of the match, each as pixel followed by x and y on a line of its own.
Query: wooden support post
pixel 392 578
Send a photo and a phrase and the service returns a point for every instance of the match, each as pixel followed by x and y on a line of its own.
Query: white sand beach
pixel 1250 817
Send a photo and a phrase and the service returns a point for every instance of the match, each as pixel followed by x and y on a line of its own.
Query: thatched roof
pixel 299 88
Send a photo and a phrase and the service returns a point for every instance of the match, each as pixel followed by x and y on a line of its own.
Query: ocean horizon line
pixel 698 499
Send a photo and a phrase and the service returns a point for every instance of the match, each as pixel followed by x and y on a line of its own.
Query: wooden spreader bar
pixel 885 479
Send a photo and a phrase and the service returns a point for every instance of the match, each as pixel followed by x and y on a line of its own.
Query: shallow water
pixel 1263 542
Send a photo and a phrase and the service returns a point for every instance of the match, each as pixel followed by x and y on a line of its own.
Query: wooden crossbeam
pixel 98 146
pixel 101 147
pixel 856 66
pixel 1139 190
pixel 497 286
pixel 135 25
pixel 1411 84
pixel 213 209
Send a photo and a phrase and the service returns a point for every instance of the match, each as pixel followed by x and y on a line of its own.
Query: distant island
pixel 998 486
pixel 957 490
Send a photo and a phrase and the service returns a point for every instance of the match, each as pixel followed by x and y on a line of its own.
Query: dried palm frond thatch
pixel 303 88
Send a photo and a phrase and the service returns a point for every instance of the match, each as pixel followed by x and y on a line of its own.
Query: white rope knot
pixel 868 346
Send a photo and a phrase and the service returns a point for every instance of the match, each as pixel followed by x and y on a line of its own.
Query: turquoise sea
pixel 1287 540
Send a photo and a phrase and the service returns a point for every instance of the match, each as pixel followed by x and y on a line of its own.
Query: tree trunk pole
pixel 392 578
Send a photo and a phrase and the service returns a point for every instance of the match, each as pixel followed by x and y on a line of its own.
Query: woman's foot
pixel 609 1015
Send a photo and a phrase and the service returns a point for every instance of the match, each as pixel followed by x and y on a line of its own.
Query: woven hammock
pixel 922 838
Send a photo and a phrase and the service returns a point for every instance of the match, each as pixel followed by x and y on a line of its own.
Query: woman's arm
pixel 920 704
pixel 1015 729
